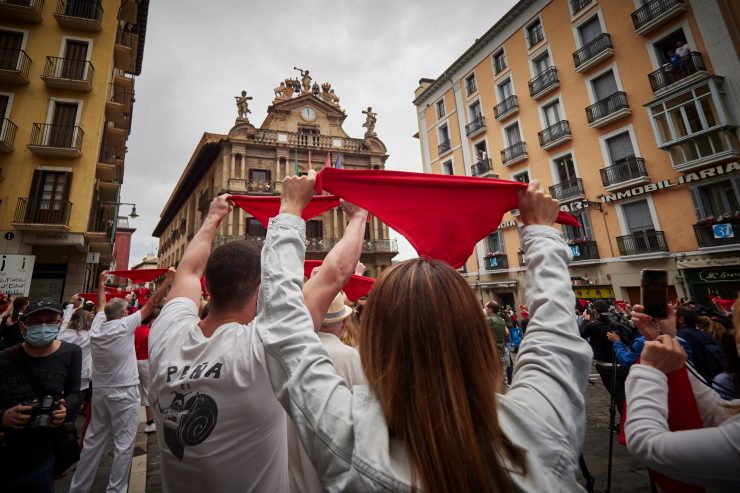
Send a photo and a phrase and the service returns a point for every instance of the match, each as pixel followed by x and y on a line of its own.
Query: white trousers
pixel 143 366
pixel 115 410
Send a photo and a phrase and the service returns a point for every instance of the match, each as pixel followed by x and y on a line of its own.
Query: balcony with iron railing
pixel 656 13
pixel 68 73
pixel 37 214
pixel 14 66
pixel 718 233
pixel 100 226
pixel 607 110
pixel 507 107
pixel 641 243
pixel 584 250
pixel 84 15
pixel 297 139
pixel 624 173
pixel 125 49
pixel 7 135
pixel 555 134
pixel 118 105
pixel 544 83
pixel 578 5
pixel 593 53
pixel 22 10
pixel 255 187
pixel 496 262
pixel 444 147
pixel 48 139
pixel 483 167
pixel 567 190
pixel 673 76
pixel 475 126
pixel 514 153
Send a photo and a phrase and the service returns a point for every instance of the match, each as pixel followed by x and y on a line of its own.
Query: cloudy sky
pixel 199 55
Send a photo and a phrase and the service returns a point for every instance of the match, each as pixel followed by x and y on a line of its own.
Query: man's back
pixel 112 348
pixel 219 425
pixel 595 331
pixel 498 329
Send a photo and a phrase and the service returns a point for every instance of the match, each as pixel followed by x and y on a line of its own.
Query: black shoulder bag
pixel 66 444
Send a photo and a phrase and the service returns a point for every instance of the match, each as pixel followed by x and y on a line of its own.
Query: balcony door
pixel 541 64
pixel 639 223
pixel 551 114
pixel 63 125
pixel 475 111
pixel 590 30
pixel 4 103
pixel 75 55
pixel 620 148
pixel 566 169
pixel 512 135
pixel 718 198
pixel 47 202
pixel 10 45
pixel 604 86
pixel 505 90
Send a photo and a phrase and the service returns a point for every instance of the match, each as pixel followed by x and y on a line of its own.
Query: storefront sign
pixel 578 205
pixel 15 274
pixel 719 275
pixel 594 293
pixel 681 180
pixel 71 239
pixel 707 262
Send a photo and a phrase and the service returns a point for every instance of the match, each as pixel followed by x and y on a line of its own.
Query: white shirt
pixel 683 50
pixel 219 425
pixel 113 356
pixel 346 359
pixel 82 339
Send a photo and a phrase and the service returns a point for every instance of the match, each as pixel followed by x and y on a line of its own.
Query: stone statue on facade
pixel 315 90
pixel 305 80
pixel 242 105
pixel 327 94
pixel 292 86
pixel 370 121
pixel 280 91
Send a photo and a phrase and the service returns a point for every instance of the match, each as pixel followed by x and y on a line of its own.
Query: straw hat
pixel 338 311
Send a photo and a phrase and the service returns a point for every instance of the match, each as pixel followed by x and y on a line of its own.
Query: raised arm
pixel 338 266
pixel 160 293
pixel 554 360
pixel 193 263
pixel 101 291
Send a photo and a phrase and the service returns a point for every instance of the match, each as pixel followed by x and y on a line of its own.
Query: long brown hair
pixel 430 357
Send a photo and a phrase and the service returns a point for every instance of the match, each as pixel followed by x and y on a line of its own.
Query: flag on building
pixel 327 162
pixel 310 164
pixel 338 163
pixel 297 170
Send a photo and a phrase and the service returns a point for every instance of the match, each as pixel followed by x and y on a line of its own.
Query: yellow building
pixel 303 118
pixel 67 72
pixel 627 111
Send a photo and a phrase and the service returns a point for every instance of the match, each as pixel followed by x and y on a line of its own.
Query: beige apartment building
pixel 304 118
pixel 627 111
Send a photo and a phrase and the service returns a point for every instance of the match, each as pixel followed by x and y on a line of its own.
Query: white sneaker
pixel 150 428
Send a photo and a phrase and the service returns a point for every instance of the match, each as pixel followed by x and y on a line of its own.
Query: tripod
pixel 612 419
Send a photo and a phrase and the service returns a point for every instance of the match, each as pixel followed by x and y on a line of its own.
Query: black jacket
pixel 595 332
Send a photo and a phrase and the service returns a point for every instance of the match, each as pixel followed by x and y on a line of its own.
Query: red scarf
pixel 443 217
pixel 683 414
pixel 139 276
pixel 108 296
pixel 263 208
pixel 726 304
pixel 356 287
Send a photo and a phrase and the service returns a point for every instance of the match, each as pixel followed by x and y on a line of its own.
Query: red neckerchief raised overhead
pixel 442 216
pixel 356 287
pixel 139 276
pixel 263 208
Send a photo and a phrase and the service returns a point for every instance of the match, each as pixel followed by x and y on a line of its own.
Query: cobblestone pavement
pixel 628 476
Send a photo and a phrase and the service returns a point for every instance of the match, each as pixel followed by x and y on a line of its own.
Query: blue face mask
pixel 41 335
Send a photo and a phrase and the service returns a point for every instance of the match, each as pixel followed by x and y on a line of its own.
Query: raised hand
pixel 297 193
pixel 220 206
pixel 664 354
pixel 651 327
pixel 351 210
pixel 536 206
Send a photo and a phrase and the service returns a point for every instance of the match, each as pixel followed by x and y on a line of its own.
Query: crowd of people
pixel 269 381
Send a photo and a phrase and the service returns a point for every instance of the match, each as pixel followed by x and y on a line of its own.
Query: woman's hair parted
pixel 431 358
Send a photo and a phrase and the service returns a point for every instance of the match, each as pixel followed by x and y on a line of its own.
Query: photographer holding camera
pixel 39 381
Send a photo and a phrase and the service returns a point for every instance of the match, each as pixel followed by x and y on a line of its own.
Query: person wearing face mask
pixel 39 389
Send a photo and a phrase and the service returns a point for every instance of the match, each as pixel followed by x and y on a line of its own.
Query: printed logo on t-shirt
pixel 190 416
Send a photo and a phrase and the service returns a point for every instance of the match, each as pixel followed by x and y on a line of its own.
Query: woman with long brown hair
pixel 431 418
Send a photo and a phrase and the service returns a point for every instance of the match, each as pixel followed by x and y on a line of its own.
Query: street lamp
pixel 133 214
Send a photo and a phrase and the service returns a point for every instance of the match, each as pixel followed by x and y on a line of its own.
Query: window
pixel 308 130
pixel 444 136
pixel 666 46
pixel 495 243
pixel 717 198
pixel 589 30
pixel 62 132
pixel 505 90
pixel 75 56
pixel 4 106
pixel 10 46
pixel 535 33
pixel 512 134
pixel 574 232
pixel 522 177
pixel 565 169
pixel 471 86
pixel 475 111
pixel 551 113
pixel 447 168
pixel 238 166
pixel 260 175
pixel 499 61
pixel 314 229
pixel 620 147
pixel 441 108
pixel 687 114
pixel 481 151
pixel 541 63
pixel 255 228
pixel 604 86
pixel 638 218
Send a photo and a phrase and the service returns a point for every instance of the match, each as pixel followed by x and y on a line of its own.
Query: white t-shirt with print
pixel 219 425
pixel 112 348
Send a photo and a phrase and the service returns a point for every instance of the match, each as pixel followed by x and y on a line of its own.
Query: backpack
pixel 515 338
pixel 708 356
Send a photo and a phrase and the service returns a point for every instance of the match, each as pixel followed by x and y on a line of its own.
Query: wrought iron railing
pixel 567 189
pixel 109 154
pixel 118 94
pixel 100 222
pixel 15 60
pixel 444 147
pixel 481 167
pixel 544 80
pixel 61 136
pixel 35 210
pixel 623 170
pixel 496 262
pixel 607 106
pixel 718 234
pixel 324 244
pixel 513 152
pixel 83 9
pixel 554 132
pixel 601 43
pixel 652 10
pixel 475 125
pixel 584 250
pixel 7 132
pixel 505 106
pixel 35 5
pixel 642 242
pixel 670 73
pixel 68 68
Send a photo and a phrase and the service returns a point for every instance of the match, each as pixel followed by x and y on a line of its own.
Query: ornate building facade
pixel 303 122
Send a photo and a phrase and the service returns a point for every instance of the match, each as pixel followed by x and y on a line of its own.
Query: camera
pixel 41 412
pixel 622 324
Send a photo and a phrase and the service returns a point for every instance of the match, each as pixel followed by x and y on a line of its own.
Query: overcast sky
pixel 199 55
